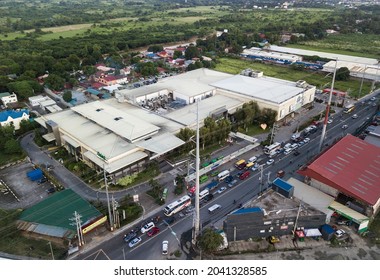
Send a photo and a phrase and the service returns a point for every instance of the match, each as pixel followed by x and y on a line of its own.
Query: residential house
pixel 7 97
pixel 14 117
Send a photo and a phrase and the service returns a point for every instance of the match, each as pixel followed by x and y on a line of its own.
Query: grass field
pixel 362 45
pixel 235 66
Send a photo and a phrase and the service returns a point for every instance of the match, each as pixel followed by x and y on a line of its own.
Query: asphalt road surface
pixel 244 190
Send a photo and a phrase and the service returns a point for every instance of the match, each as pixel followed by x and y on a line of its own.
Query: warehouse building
pixel 349 172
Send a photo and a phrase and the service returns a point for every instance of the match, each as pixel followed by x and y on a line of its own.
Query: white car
pixel 269 162
pixel 306 140
pixel 222 189
pixel 339 233
pixel 330 121
pixel 165 247
pixel 255 167
pixel 344 126
pixel 134 242
pixel 355 116
pixel 147 227
pixel 373 98
pixel 287 151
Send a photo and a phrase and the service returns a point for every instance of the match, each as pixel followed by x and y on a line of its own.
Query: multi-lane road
pixel 150 247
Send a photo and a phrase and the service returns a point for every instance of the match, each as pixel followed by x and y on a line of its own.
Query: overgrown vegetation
pixel 12 240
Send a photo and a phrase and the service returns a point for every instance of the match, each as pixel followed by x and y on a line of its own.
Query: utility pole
pixel 271 137
pixel 108 199
pixel 197 163
pixel 298 214
pixel 51 250
pixel 323 135
pixel 361 83
pixel 77 222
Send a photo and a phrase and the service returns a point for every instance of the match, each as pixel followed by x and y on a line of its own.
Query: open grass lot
pixel 235 66
pixel 363 45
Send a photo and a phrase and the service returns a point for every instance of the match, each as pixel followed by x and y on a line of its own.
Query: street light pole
pixel 323 135
pixel 197 163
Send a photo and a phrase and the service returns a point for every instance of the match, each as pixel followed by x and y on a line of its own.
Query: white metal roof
pixel 371 72
pixel 188 115
pixel 91 135
pixel 331 56
pixel 311 196
pixel 264 88
pixel 190 84
pixel 165 124
pixel 160 144
pixel 120 122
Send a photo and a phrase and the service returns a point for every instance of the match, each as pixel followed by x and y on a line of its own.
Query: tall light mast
pixel 197 163
pixel 327 109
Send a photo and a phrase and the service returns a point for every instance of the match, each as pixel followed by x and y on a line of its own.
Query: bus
pixel 349 108
pixel 223 175
pixel 177 206
pixel 272 148
pixel 203 194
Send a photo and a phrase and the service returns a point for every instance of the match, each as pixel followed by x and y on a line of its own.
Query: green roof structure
pixel 57 212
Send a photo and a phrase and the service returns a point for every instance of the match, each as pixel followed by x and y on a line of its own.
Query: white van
pixel 252 159
pixel 214 208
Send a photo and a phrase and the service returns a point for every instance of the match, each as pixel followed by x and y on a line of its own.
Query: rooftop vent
pixel 99 109
pixel 118 118
pixel 252 73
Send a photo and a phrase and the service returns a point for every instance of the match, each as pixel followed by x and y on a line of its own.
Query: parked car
pixel 147 227
pixel 231 184
pixel 165 247
pixel 153 231
pixel 340 233
pixel 229 179
pixel 306 140
pixel 42 180
pixel 131 235
pixel 222 189
pixel 280 173
pixel 329 121
pixel 255 167
pixel 169 220
pixel 270 161
pixel 244 175
pixel 134 242
pixel 296 153
pixel 50 190
pixel 373 98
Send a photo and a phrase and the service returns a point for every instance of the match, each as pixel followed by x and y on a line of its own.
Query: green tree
pixel 210 241
pixel 342 74
pixel 67 95
pixel 191 52
pixel 54 82
pixel 155 48
pixel 12 146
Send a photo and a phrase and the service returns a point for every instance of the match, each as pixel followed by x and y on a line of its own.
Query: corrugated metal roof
pixel 282 184
pixel 352 166
pixel 58 210
pixel 264 88
pixel 248 210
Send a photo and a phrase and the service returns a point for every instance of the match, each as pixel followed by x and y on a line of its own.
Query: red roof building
pixel 352 167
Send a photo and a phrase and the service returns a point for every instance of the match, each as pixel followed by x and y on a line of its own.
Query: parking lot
pixel 18 191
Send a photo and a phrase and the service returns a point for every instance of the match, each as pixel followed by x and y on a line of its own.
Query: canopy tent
pixel 312 232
